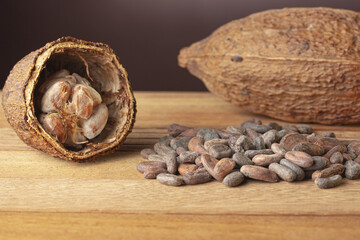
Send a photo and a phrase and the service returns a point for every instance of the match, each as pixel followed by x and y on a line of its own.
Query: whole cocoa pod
pixel 293 64
pixel 71 99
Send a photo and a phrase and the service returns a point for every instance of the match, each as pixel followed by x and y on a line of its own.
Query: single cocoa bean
pixel 337 157
pixel 354 147
pixel 251 153
pixel 163 149
pixel 347 157
pixel 328 182
pixel 337 148
pixel 301 159
pixel 171 163
pixel 180 142
pixel 224 134
pixel 175 129
pixel 252 134
pixel 270 137
pixel 169 179
pixel 212 142
pixel 151 173
pixel 283 172
pixel 211 135
pixel 310 148
pixel 357 159
pixel 188 157
pixel 202 131
pixel 274 126
pixel 235 130
pixel 327 143
pixel 328 134
pixel 290 128
pixel 146 152
pixel 265 160
pixel 166 140
pixel 259 173
pixel 198 162
pixel 189 133
pixel 197 177
pixel 352 170
pixel 283 133
pixel 300 174
pixel 145 165
pixel 157 157
pixel 233 179
pixel 335 169
pixel 241 160
pixel 304 129
pixel 251 120
pixel 319 164
pixel 277 148
pixel 209 163
pixel 223 168
pixel 290 140
pixel 196 145
pixel 184 168
pixel 258 128
pixel 259 143
pixel 242 144
pixel 219 151
pixel 180 150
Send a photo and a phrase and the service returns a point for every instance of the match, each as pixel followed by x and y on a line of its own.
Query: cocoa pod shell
pixel 20 95
pixel 293 64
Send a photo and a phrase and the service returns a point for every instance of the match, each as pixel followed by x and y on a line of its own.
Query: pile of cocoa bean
pixel 266 152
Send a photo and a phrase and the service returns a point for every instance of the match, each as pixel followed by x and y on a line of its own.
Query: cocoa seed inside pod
pixel 293 64
pixel 71 99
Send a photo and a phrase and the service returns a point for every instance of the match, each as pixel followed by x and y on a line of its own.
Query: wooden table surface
pixel 42 197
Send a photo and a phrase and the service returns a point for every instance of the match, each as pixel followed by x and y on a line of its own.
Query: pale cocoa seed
pixel 233 179
pixel 186 167
pixel 175 129
pixel 145 165
pixel 196 145
pixel 301 159
pixel 146 152
pixel 300 174
pixel 319 164
pixel 259 173
pixel 188 157
pixel 337 157
pixel 169 179
pixel 241 160
pixel 352 170
pixel 328 182
pixel 277 148
pixel 212 142
pixel 310 148
pixel 219 151
pixel 197 177
pixel 223 168
pixel 283 172
pixel 251 153
pixel 290 140
pixel 265 160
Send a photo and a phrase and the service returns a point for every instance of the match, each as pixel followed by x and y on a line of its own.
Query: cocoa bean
pixel 171 164
pixel 347 157
pixel 235 130
pixel 259 143
pixel 301 159
pixel 337 157
pixel 283 133
pixel 233 179
pixel 242 144
pixel 224 134
pixel 175 129
pixel 163 149
pixel 300 174
pixel 251 153
pixel 352 170
pixel 327 143
pixel 338 148
pixel 251 120
pixel 197 177
pixel 212 142
pixel 283 172
pixel 310 148
pixel 180 150
pixel 151 173
pixel 290 128
pixel 357 159
pixel 145 165
pixel 157 157
pixel 265 160
pixel 180 142
pixel 241 160
pixel 196 145
pixel 198 162
pixel 256 127
pixel 290 140
pixel 319 164
pixel 259 173
pixel 277 148
pixel 202 131
pixel 211 135
pixel 328 182
pixel 252 134
pixel 270 137
pixel 169 179
pixel 328 134
pixel 188 157
pixel 166 140
pixel 223 168
pixel 189 133
pixel 274 125
pixel 146 152
pixel 219 151
pixel 335 169
pixel 184 168
pixel 209 163
pixel 304 129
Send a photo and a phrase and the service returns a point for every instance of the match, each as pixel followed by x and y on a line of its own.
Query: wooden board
pixel 47 198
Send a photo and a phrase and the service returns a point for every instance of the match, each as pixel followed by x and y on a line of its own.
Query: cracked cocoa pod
pixel 71 99
pixel 293 64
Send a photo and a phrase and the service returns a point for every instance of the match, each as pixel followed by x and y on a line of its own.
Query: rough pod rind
pixel 19 98
pixel 293 64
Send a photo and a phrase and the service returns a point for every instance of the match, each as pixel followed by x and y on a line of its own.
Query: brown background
pixel 145 34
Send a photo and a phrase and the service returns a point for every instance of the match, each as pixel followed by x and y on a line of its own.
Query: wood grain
pixel 44 197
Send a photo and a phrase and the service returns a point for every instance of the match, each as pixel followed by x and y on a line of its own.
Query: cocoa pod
pixel 247 62
pixel 23 94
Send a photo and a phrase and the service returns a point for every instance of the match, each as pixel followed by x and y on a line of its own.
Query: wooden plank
pixel 100 225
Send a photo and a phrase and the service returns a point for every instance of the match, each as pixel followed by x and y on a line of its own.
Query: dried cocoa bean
pixel 251 120
pixel 212 142
pixel 196 145
pixel 283 133
pixel 157 157
pixel 319 164
pixel 184 168
pixel 274 125
pixel 175 129
pixel 146 165
pixel 327 143
pixel 235 130
pixel 180 150
pixel 188 157
pixel 197 177
pixel 233 179
pixel 251 153
pixel 292 139
pixel 301 159
pixel 180 142
pixel 259 173
pixel 224 134
pixel 328 182
pixel 202 131
pixel 354 147
pixel 171 164
pixel 198 162
pixel 151 173
pixel 310 148
pixel 300 174
pixel 290 128
pixel 169 179
pixel 328 134
pixel 223 168
pixel 209 163
pixel 347 157
pixel 166 140
pixel 163 149
pixel 189 133
pixel 283 172
pixel 219 151
pixel 335 169
pixel 252 134
pixel 242 144
pixel 337 157
pixel 241 160
pixel 357 159
pixel 259 143
pixel 146 152
pixel 338 148
pixel 277 148
pixel 211 135
pixel 265 160
pixel 352 170
pixel 256 127
pixel 304 129
pixel 270 137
